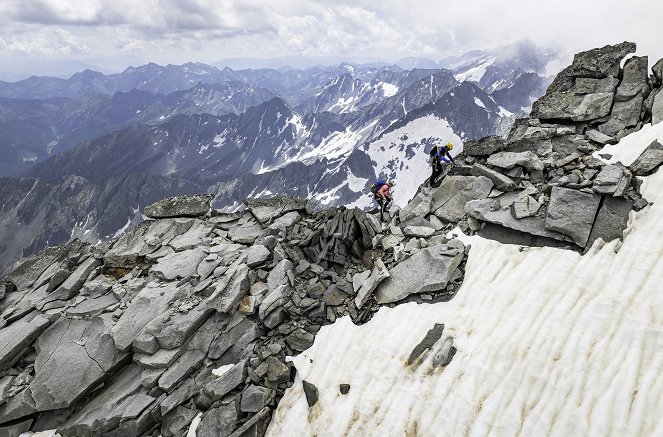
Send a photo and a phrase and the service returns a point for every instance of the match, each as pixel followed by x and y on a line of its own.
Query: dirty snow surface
pixel 549 343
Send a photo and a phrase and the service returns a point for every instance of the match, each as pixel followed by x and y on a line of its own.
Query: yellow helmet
pixel 450 146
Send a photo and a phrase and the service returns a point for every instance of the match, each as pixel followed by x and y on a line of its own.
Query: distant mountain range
pixel 324 132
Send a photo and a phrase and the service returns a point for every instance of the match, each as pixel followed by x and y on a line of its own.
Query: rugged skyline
pixel 112 35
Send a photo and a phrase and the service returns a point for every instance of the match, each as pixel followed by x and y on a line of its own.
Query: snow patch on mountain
pixel 629 148
pixel 548 343
pixel 402 155
pixel 476 71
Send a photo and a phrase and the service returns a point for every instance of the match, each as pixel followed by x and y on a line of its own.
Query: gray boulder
pixel 151 302
pixel 449 199
pixel 245 234
pixel 600 137
pixel 257 255
pixel 484 146
pixel 224 384
pixel 657 69
pixel 431 337
pixel 180 206
pixel 266 210
pixel 81 347
pixel 286 220
pixel 611 220
pixel 418 231
pixel 648 160
pixel 657 107
pixel 219 421
pixel 119 402
pixel 572 213
pixel 501 182
pixel 18 336
pixel 29 270
pixel 613 180
pixel 254 398
pixel 624 114
pixel 419 206
pixel 428 270
pixel 369 283
pixel 524 206
pixel 508 160
pixel 311 393
pixel 498 211
pixel 179 265
pixel 634 79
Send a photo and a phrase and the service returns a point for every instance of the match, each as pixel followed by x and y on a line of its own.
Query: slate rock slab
pixel 266 210
pixel 572 213
pixel 648 160
pixel 81 347
pixel 19 335
pixel 180 206
pixel 430 269
pixel 611 220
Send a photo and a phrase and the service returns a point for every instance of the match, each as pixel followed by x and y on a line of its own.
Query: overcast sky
pixel 123 32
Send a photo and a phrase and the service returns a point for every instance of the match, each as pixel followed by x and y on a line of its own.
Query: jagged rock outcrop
pixel 193 314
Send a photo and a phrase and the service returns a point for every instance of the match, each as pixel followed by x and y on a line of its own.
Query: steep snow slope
pixel 549 343
pixel 402 154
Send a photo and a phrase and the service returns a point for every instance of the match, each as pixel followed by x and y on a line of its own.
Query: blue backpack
pixel 377 185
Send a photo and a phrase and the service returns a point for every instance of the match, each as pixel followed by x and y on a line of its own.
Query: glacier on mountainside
pixel 549 342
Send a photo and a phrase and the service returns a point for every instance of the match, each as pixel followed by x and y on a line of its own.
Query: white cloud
pixel 209 30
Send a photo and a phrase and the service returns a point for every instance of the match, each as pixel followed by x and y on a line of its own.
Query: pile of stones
pixel 544 185
pixel 194 313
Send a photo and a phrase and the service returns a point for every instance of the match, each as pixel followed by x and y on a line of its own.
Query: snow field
pixel 549 343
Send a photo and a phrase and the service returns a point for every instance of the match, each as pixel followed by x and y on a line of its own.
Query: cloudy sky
pixel 118 33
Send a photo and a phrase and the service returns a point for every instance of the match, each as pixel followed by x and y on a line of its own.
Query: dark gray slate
pixel 180 206
pixel 255 397
pixel 266 210
pixel 219 421
pixel 300 339
pixel 650 159
pixel 120 401
pixel 432 336
pixel 584 90
pixel 498 212
pixel 311 393
pixel 611 220
pixel 430 269
pixel 484 146
pixel 501 182
pixel 19 335
pixel 224 384
pixel 572 213
pixel 81 347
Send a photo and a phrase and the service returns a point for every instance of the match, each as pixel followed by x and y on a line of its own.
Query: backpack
pixel 377 185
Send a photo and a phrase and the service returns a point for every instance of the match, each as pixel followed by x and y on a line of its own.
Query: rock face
pixel 180 206
pixel 185 316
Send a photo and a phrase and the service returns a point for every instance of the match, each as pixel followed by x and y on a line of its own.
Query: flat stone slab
pixel 180 206
pixel 572 213
pixel 498 211
pixel 19 335
pixel 266 210
pixel 648 160
pixel 430 269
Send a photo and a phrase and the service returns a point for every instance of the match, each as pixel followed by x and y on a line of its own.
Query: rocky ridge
pixel 546 183
pixel 191 317
pixel 193 314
